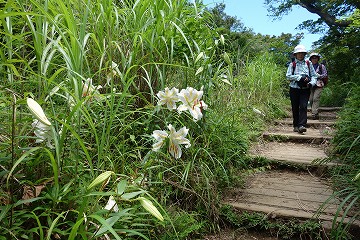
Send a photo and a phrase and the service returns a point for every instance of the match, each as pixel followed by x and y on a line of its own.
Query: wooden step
pixel 290 152
pixel 310 122
pixel 321 109
pixel 322 115
pixel 285 194
pixel 286 133
pixel 329 109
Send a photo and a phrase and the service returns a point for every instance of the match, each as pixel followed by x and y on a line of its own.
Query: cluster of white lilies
pixel 190 100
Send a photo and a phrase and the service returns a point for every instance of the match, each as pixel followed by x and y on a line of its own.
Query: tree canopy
pixel 334 14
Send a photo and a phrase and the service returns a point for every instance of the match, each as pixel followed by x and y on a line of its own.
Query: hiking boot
pixel 315 116
pixel 302 129
pixel 296 129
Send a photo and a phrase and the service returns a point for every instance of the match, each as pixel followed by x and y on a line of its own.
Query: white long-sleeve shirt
pixel 300 69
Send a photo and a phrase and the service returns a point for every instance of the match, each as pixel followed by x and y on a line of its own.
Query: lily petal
pixel 159 135
pixel 168 97
pixel 156 146
pixel 111 204
pixel 175 150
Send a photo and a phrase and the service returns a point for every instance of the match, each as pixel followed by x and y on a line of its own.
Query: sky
pixel 253 14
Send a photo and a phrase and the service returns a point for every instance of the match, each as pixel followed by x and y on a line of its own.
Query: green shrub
pixel 346 148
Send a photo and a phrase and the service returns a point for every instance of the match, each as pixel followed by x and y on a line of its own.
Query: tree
pixel 335 14
pixel 225 22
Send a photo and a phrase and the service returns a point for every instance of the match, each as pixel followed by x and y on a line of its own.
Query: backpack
pixel 325 79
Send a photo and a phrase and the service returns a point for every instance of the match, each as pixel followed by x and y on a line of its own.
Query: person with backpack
pixel 322 79
pixel 302 76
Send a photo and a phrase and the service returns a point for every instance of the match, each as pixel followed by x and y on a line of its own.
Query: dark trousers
pixel 299 100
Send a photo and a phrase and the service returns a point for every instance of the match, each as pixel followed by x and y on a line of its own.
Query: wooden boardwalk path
pixel 287 193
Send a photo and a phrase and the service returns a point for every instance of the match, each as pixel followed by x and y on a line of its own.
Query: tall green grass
pixel 132 49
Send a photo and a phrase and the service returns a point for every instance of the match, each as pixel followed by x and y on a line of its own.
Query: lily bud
pixel 222 39
pixel 37 111
pixel 149 206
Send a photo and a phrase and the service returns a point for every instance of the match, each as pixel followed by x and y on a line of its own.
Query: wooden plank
pixel 286 184
pixel 289 204
pixel 329 109
pixel 310 122
pixel 290 152
pixel 286 190
pixel 296 136
pixel 304 154
pixel 278 212
pixel 305 188
pixel 288 194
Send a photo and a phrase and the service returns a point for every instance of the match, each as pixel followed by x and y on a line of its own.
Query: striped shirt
pixel 321 73
pixel 301 68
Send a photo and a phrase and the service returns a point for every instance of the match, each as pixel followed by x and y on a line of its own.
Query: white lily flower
pixel 177 138
pixel 114 71
pixel 168 97
pixel 190 99
pixel 42 132
pixel 159 136
pixel 114 65
pixel 89 89
pixel 37 111
pixel 111 204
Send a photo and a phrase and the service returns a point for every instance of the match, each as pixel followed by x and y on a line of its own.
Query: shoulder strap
pixel 320 68
pixel 293 67
pixel 308 64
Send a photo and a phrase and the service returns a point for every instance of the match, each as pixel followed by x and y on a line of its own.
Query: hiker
pixel 316 90
pixel 301 75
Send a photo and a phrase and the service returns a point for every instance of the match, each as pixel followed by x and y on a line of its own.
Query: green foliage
pixel 187 225
pixel 334 95
pixel 347 148
pixel 261 83
pixel 346 139
pixel 224 23
pixel 244 43
pixel 66 44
